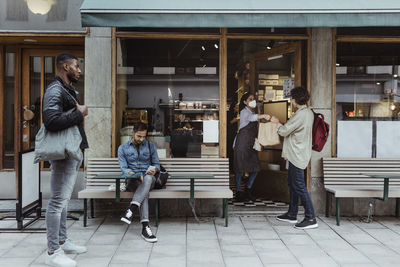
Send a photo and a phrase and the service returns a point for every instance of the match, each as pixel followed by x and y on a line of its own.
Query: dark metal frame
pixel 26 212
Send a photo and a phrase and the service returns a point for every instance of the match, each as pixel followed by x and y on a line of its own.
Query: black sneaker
pixel 127 218
pixel 147 234
pixel 286 218
pixel 249 196
pixel 307 224
pixel 239 197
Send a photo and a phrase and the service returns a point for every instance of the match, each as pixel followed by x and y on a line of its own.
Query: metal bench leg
pixel 85 212
pixel 397 207
pixel 226 215
pixel 92 208
pixel 327 204
pixel 338 211
pixel 223 208
pixel 157 210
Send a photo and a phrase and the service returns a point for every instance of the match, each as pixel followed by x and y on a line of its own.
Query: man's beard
pixel 72 78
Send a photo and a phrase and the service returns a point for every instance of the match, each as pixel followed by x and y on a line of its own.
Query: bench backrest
pixel 218 167
pixel 345 171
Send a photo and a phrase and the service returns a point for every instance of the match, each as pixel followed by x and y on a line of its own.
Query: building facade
pixel 181 67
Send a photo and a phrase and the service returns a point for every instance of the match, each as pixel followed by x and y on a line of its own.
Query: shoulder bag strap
pixel 151 154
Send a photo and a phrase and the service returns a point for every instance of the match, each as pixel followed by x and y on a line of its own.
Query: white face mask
pixel 253 104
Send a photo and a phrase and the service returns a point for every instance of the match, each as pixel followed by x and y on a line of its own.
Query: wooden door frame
pixel 21 78
pixel 25 95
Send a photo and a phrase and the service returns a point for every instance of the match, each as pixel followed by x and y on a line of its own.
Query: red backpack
pixel 320 132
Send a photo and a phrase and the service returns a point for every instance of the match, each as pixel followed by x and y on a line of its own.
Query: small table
pixel 386 177
pixel 117 176
pixel 192 176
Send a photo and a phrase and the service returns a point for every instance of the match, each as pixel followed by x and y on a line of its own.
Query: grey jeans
pixel 63 178
pixel 141 196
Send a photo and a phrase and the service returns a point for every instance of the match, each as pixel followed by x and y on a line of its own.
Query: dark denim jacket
pixel 129 160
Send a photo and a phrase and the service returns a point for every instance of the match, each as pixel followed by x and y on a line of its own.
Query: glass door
pixel 38 71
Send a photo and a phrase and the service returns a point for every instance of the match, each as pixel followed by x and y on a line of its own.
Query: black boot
pixel 249 196
pixel 239 197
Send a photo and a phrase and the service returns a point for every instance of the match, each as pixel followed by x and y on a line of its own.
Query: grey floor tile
pixel 351 256
pixel 95 251
pixel 243 261
pixel 167 261
pixel 268 245
pixel 307 251
pixel 318 261
pixel 93 261
pixel 25 251
pixel 277 256
pixel 105 239
pixel 205 256
pixel 201 234
pixel 231 238
pixel 15 262
pixel 131 256
pixel 290 239
pixel 262 234
pixel 238 251
pixel 170 250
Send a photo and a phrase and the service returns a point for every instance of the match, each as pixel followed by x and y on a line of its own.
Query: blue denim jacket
pixel 130 161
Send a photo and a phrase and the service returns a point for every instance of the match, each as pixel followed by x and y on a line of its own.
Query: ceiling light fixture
pixel 216 46
pixel 40 7
pixel 270 44
pixel 337 64
pixel 203 48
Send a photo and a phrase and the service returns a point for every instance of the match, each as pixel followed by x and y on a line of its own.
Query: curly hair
pixel 300 95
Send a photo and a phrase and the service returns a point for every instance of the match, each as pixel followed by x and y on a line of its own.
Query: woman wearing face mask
pixel 245 157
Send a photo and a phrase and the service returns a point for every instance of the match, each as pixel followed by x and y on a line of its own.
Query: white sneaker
pixel 71 248
pixel 59 259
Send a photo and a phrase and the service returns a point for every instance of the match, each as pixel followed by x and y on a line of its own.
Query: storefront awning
pixel 239 13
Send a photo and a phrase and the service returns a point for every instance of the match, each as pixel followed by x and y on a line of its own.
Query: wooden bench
pixel 343 178
pixel 218 187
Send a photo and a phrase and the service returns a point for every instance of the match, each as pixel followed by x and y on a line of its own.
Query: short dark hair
pixel 64 57
pixel 300 95
pixel 139 126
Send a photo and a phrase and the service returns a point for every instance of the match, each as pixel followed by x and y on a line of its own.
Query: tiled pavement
pixel 248 241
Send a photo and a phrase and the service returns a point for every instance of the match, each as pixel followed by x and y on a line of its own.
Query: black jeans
pixel 297 188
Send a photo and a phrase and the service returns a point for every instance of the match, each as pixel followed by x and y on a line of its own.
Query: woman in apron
pixel 245 157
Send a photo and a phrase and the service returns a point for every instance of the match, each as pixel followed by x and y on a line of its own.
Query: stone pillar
pixel 98 92
pixel 321 101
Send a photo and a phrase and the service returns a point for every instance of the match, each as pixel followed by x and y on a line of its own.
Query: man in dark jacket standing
pixel 59 98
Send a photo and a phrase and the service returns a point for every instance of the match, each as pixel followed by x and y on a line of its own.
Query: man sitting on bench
pixel 139 156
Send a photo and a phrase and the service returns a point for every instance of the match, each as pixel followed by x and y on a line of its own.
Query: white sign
pixel 288 85
pixel 388 139
pixel 210 131
pixel 354 139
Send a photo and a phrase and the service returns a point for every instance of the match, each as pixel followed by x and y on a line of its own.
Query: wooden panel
pixel 142 35
pixel 17 114
pixel 223 67
pixel 218 167
pixel 333 103
pixel 114 133
pixel 346 172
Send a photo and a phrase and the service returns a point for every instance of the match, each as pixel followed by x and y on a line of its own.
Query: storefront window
pixel 173 86
pixel 367 100
pixel 41 15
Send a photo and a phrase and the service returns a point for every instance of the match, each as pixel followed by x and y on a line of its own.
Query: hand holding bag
pixel 58 145
pixel 268 134
pixel 64 144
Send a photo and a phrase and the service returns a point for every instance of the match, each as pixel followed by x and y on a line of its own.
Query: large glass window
pixel 173 86
pixel 367 99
